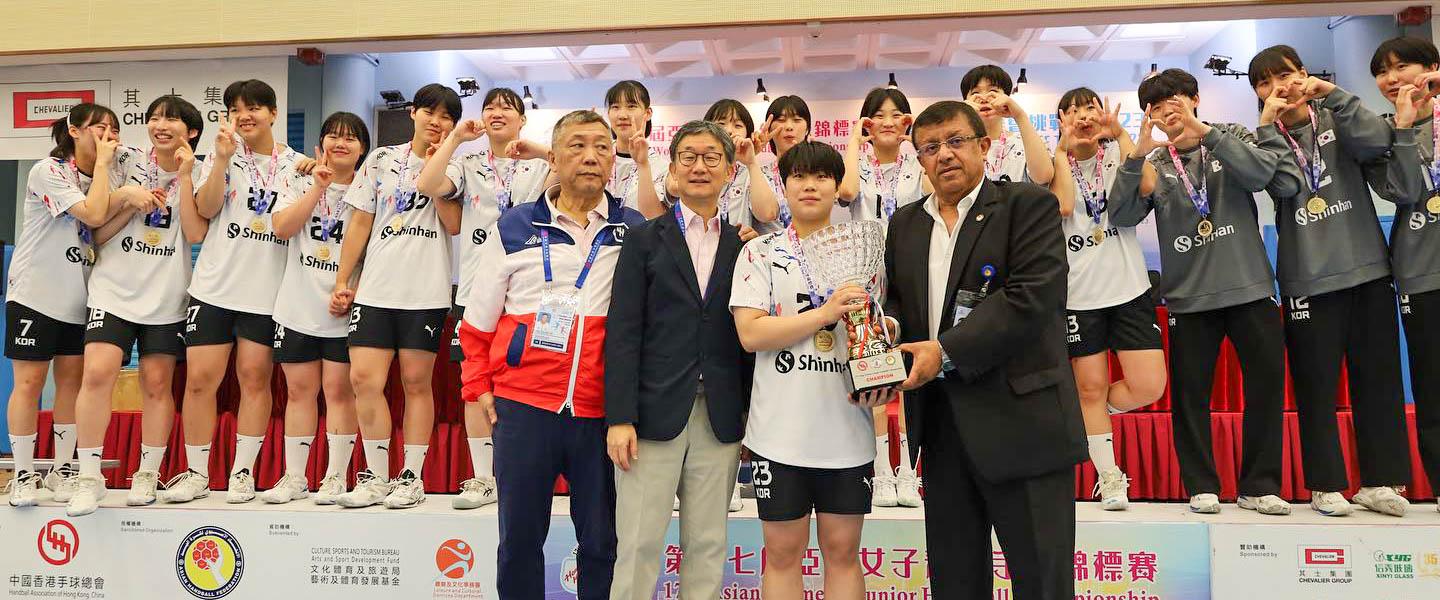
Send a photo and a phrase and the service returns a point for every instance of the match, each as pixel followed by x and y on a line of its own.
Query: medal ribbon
pixel 262 204
pixel 1200 198
pixel 404 178
pixel 815 298
pixel 502 195
pixel 1433 166
pixel 153 179
pixel 80 228
pixel 1090 194
pixel 888 202
pixel 780 196
pixel 992 168
pixel 1311 168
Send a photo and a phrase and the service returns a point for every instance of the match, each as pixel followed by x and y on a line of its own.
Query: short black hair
pixel 1080 96
pixel 1165 85
pixel 506 96
pixel 629 90
pixel 877 97
pixel 435 95
pixel 1405 49
pixel 1273 60
pixel 789 105
pixel 946 110
pixel 728 108
pixel 992 73
pixel 180 108
pixel 251 91
pixel 807 158
pixel 342 123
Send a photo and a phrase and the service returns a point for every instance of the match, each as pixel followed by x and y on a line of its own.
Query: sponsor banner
pixel 33 97
pixel 1309 562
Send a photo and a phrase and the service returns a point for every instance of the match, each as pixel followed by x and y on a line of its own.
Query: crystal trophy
pixel 853 253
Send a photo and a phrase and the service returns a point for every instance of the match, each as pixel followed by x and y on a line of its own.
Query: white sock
pixel 151 457
pixel 415 458
pixel 342 447
pixel 24 448
pixel 198 458
pixel 297 454
pixel 90 461
pixel 247 447
pixel 377 458
pixel 882 456
pixel 905 453
pixel 482 456
pixel 1102 450
pixel 64 444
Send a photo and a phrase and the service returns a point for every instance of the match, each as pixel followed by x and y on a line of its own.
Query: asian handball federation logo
pixel 58 542
pixel 209 563
pixel 454 559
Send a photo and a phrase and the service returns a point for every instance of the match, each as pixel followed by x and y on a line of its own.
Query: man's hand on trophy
pixel 925 363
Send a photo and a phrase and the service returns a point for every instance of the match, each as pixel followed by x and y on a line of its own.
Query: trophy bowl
pixel 853 253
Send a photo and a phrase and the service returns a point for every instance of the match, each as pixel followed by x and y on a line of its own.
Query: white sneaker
pixel 1330 504
pixel 290 487
pixel 1269 504
pixel 185 487
pixel 1112 488
pixel 1205 504
pixel 61 483
pixel 1383 499
pixel 409 491
pixel 142 488
pixel 369 491
pixel 242 488
pixel 475 493
pixel 907 488
pixel 883 492
pixel 330 489
pixel 735 503
pixel 676 507
pixel 88 493
pixel 24 490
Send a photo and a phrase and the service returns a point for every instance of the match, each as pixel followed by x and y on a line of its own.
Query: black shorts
pixel 1128 326
pixel 294 347
pixel 107 328
pixel 457 354
pixel 30 335
pixel 208 325
pixel 786 493
pixel 395 328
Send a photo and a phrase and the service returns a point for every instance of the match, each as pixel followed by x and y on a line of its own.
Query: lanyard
pixel 153 178
pixel 680 218
pixel 327 215
pixel 502 195
pixel 254 170
pixel 80 227
pixel 1311 168
pixel 1200 198
pixel 622 184
pixel 404 177
pixel 780 195
pixel 815 299
pixel 725 197
pixel 888 203
pixel 992 168
pixel 589 262
pixel 1432 168
pixel 1092 197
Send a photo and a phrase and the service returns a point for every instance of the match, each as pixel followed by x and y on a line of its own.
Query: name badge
pixel 965 302
pixel 555 319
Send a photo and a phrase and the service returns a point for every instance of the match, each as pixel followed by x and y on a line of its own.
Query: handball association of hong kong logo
pixel 58 542
pixel 209 563
pixel 455 558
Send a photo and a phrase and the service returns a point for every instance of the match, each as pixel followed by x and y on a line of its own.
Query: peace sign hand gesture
pixel 322 174
pixel 225 139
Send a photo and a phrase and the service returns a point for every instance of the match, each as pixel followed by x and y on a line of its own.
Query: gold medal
pixel 322 253
pixel 397 225
pixel 1433 204
pixel 1098 235
pixel 90 253
pixel 1316 205
pixel 152 237
pixel 258 225
pixel 824 340
pixel 1205 228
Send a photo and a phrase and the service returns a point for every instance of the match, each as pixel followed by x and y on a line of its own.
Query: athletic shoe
pixel 409 491
pixel 676 508
pixel 1112 488
pixel 1382 499
pixel 61 483
pixel 290 487
pixel 1266 505
pixel 330 489
pixel 475 493
pixel 883 492
pixel 369 491
pixel 185 487
pixel 907 488
pixel 142 488
pixel 735 503
pixel 242 488
pixel 88 493
pixel 1330 504
pixel 25 489
pixel 1205 504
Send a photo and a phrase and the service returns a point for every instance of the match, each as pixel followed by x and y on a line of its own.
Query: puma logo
pixel 305 444
pixel 430 329
pixel 785 268
pixel 60 434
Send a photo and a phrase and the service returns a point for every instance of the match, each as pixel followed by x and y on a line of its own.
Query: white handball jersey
pixel 800 412
pixel 241 260
pixel 735 198
pixel 900 180
pixel 489 186
pixel 55 251
pixel 1006 158
pixel 1111 271
pixel 144 269
pixel 303 303
pixel 625 183
pixel 407 260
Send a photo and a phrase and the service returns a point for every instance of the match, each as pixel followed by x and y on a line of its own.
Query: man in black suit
pixel 976 276
pixel 677 381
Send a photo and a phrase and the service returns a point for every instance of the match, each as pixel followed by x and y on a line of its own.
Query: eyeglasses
pixel 954 143
pixel 687 158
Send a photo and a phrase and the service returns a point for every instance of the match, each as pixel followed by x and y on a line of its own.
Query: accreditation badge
pixel 555 319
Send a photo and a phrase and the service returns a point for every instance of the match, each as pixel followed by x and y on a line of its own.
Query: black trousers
pixel 1357 325
pixel 1033 518
pixel 1421 315
pixel 1258 334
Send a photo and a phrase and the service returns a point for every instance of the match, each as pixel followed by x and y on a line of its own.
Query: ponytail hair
pixel 81 116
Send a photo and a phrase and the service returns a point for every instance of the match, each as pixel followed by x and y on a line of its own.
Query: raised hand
pixel 1428 83
pixel 762 136
pixel 524 150
pixel 744 150
pixel 1407 105
pixel 1147 142
pixel 1110 120
pixel 1315 87
pixel 1003 104
pixel 186 157
pixel 105 150
pixel 640 148
pixel 1067 134
pixel 844 300
pixel 860 134
pixel 468 130
pixel 225 139
pixel 906 120
pixel 322 174
pixel 1274 106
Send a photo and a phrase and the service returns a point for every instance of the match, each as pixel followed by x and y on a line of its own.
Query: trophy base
pixel 886 369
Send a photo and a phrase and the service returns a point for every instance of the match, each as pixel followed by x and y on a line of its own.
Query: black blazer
pixel 1012 395
pixel 661 337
